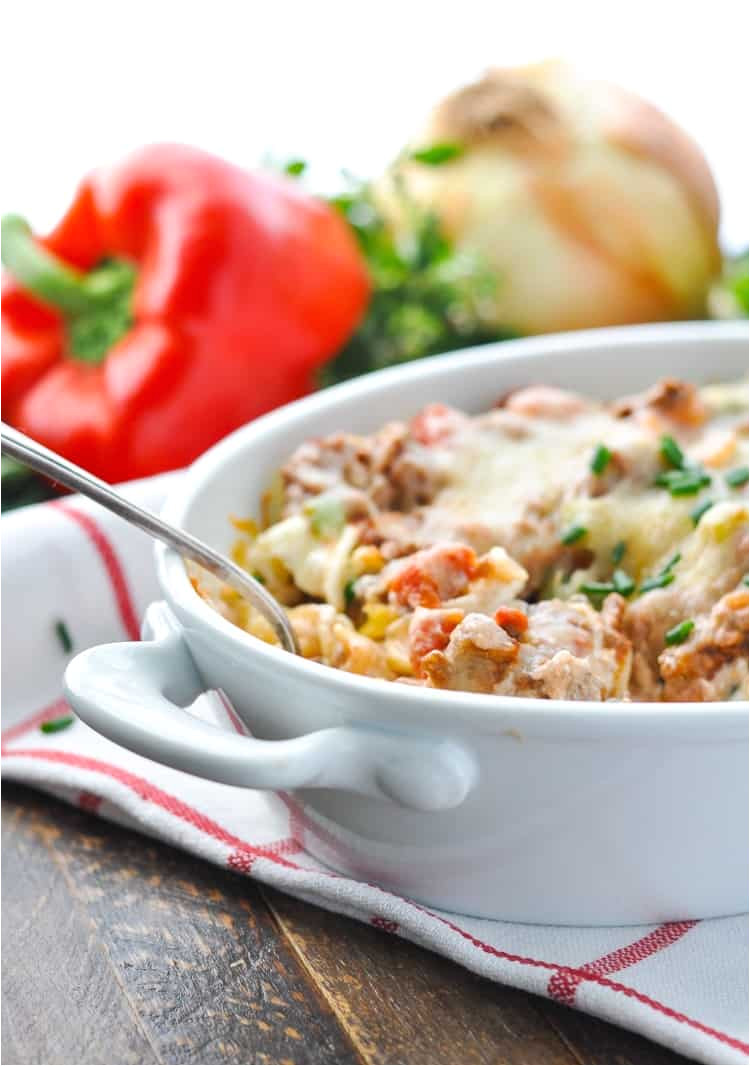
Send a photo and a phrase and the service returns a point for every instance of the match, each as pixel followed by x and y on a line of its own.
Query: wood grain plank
pixel 57 981
pixel 198 955
pixel 598 1042
pixel 400 1003
pixel 132 952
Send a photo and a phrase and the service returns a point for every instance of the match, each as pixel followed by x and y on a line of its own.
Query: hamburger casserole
pixel 553 547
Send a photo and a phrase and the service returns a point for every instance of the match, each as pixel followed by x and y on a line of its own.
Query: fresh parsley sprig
pixel 427 296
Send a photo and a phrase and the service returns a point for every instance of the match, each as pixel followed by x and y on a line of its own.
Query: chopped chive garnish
pixel 683 482
pixel 671 452
pixel 737 477
pixel 574 534
pixel 259 577
pixel 63 636
pixel 624 583
pixel 690 484
pixel 698 512
pixel 672 563
pixel 54 725
pixel 597 590
pixel 349 592
pixel 437 154
pixel 659 582
pixel 601 459
pixel 678 634
pixel 618 551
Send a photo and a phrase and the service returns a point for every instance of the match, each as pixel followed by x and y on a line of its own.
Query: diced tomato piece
pixel 512 620
pixel 430 631
pixel 434 575
pixel 412 587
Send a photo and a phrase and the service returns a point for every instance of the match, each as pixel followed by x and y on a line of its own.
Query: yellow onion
pixel 588 205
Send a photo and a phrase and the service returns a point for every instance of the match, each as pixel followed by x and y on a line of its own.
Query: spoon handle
pixel 18 446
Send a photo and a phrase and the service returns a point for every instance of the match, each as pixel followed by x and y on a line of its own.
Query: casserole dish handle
pixel 139 696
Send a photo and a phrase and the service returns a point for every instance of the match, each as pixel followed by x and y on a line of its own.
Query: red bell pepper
pixel 179 297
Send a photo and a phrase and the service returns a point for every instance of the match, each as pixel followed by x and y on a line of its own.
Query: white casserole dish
pixel 516 809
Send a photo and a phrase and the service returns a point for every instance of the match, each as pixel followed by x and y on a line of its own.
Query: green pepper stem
pixel 95 305
pixel 38 270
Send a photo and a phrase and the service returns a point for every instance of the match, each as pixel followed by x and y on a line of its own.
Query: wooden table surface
pixel 119 949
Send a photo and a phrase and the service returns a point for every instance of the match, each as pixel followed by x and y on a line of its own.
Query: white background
pixel 340 84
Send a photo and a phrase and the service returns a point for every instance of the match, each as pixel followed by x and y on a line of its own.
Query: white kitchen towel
pixel 70 569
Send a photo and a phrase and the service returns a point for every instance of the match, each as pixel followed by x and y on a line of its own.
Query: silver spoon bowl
pixel 18 446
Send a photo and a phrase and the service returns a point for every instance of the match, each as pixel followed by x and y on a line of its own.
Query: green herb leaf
pixel 63 636
pixel 427 296
pixel 54 725
pixel 618 551
pixel 737 477
pixel 678 634
pixel 623 583
pixel 671 452
pixel 600 460
pixel 437 154
pixel 698 512
pixel 295 167
pixel 573 535
pixel 659 582
pixel 259 577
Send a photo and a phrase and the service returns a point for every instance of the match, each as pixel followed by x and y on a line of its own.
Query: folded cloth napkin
pixel 72 571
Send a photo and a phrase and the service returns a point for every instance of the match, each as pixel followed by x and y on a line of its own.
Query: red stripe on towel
pixel 112 564
pixel 171 804
pixel 234 719
pixel 598 979
pixel 564 984
pixel 53 710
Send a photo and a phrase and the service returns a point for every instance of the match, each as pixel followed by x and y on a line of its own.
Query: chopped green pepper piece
pixel 349 593
pixel 327 515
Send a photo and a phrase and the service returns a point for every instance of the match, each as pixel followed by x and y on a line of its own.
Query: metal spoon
pixel 19 446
